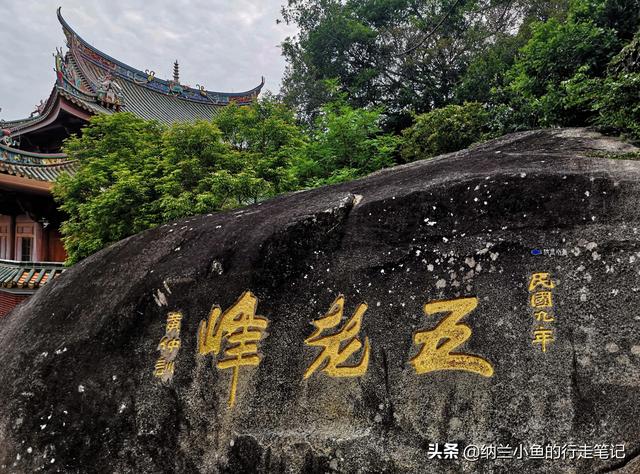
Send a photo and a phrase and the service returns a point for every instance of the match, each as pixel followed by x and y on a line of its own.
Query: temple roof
pixel 95 82
pixel 143 94
pixel 90 82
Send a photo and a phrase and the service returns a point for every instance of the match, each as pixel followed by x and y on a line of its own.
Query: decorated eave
pixel 33 172
pixel 47 112
pixel 26 277
pixel 37 166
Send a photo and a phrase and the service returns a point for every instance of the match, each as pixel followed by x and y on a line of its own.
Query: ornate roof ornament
pixel 175 88
pixel 202 90
pixel 66 74
pixel 39 108
pixel 110 93
pixel 61 66
pixel 6 139
pixel 5 136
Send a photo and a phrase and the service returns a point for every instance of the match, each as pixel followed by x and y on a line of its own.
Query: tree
pixel 344 143
pixel 487 72
pixel 111 195
pixel 557 50
pixel 621 16
pixel 447 129
pixel 405 55
pixel 545 79
pixel 612 102
pixel 135 174
pixel 267 136
pixel 201 173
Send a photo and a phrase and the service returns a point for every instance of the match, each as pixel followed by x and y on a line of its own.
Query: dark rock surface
pixel 77 385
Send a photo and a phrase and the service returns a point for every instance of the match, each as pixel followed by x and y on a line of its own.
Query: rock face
pixel 470 265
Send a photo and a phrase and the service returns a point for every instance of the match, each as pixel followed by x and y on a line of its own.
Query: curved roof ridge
pixel 50 156
pixel 19 124
pixel 141 78
pixel 82 72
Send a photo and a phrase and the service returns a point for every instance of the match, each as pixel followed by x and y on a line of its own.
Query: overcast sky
pixel 225 45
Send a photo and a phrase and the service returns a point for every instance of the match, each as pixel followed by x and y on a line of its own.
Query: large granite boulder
pixel 475 312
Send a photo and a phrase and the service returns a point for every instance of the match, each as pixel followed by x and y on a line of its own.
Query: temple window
pixel 26 249
pixel 5 238
pixel 27 238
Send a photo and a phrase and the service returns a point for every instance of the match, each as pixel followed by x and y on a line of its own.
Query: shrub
pixel 556 53
pixel 448 129
pixel 618 106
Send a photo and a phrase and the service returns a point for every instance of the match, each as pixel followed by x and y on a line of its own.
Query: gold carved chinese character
pixel 164 369
pixel 241 329
pixel 337 348
pixel 169 346
pixel 543 316
pixel 541 299
pixel 541 279
pixel 173 323
pixel 438 344
pixel 543 337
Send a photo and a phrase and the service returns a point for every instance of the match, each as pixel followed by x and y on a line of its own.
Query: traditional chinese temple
pixel 87 82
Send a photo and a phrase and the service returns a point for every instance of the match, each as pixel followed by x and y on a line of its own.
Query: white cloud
pixel 226 46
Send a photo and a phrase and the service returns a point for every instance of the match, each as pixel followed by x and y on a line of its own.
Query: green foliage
pixel 200 173
pixel 404 55
pixel 344 143
pixel 111 194
pixel 628 59
pixel 569 72
pixel 135 174
pixel 610 102
pixel 555 53
pixel 617 105
pixel 621 16
pixel 412 56
pixel 487 72
pixel 268 137
pixel 448 129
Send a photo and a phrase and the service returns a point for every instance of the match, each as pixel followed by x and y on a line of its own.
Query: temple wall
pixel 55 248
pixel 8 301
pixel 24 239
pixel 6 237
